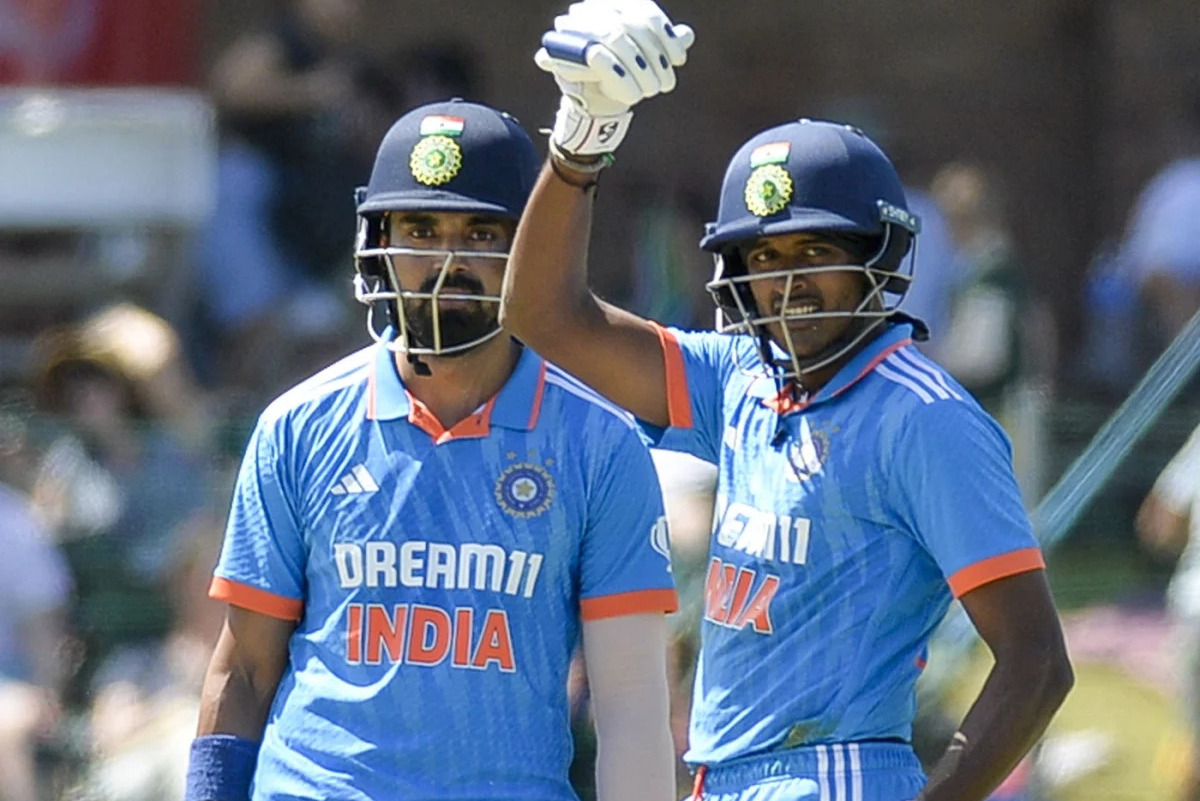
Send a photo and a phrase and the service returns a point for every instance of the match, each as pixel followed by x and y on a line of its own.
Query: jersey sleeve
pixel 953 483
pixel 697 365
pixel 263 557
pixel 625 557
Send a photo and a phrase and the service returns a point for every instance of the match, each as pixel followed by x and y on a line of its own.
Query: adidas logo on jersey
pixel 356 481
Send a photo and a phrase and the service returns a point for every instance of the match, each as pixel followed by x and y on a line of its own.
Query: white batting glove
pixel 607 55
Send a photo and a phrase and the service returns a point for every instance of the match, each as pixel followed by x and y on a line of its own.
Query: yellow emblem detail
pixel 768 190
pixel 524 490
pixel 435 160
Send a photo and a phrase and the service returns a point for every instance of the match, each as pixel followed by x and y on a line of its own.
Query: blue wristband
pixel 220 768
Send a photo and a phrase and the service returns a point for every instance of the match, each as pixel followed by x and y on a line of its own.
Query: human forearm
pixel 627 674
pixel 545 287
pixel 635 755
pixel 243 676
pixel 1012 711
pixel 229 705
pixel 548 306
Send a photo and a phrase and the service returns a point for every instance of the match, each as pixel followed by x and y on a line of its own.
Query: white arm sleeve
pixel 627 672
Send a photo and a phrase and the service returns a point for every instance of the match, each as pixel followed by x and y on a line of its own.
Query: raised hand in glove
pixel 607 55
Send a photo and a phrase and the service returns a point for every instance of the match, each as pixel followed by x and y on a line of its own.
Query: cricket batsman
pixel 860 488
pixel 422 533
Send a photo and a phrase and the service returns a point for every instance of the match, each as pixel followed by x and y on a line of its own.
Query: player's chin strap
pixel 920 329
pixel 419 367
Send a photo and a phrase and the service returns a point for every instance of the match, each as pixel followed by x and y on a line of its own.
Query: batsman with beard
pixel 421 533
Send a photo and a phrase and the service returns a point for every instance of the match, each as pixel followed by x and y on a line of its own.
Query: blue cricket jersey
pixel 438 578
pixel 837 543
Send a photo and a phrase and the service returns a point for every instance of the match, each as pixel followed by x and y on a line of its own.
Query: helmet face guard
pixel 377 285
pixel 825 179
pixel 738 312
pixel 443 157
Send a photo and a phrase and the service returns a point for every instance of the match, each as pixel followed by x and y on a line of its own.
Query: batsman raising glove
pixel 607 55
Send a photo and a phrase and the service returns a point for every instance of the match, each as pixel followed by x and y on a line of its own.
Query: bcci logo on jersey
pixel 524 490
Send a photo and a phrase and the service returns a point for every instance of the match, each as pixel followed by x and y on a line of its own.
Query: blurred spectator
pixel 34 590
pixel 1168 524
pixel 934 267
pixel 981 345
pixel 294 94
pixel 669 272
pixel 1142 290
pixel 999 339
pixel 1162 250
pixel 128 466
pixel 297 105
pixel 1114 349
pixel 145 698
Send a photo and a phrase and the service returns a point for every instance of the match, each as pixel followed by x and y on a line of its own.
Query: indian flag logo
pixel 440 125
pixel 772 153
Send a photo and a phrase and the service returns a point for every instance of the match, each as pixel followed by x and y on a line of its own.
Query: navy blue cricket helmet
pixel 452 156
pixel 818 177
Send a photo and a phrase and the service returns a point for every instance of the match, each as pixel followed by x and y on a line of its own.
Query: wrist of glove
pixel 578 133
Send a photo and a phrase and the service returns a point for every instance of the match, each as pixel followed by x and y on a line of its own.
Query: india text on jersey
pixel 424 635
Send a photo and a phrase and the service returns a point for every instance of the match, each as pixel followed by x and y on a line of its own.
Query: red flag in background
pixel 99 42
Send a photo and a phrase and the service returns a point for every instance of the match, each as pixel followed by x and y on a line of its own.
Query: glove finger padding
pixel 596 96
pixel 623 73
pixel 669 39
pixel 655 58
pixel 678 38
pixel 606 56
pixel 643 43
pixel 626 71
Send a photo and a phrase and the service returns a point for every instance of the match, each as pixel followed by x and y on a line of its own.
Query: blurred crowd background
pixel 176 226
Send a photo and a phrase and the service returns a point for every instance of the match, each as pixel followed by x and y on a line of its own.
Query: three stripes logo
pixel 356 481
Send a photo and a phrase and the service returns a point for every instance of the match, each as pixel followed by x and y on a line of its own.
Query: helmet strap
pixel 419 367
pixel 920 328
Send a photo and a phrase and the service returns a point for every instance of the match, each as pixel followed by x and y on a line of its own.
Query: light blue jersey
pixel 438 578
pixel 844 525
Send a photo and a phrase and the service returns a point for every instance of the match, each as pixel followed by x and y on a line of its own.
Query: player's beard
pixel 459 325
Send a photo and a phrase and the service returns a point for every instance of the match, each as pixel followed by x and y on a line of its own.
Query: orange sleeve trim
pixel 679 404
pixel 256 600
pixel 628 603
pixel 994 568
